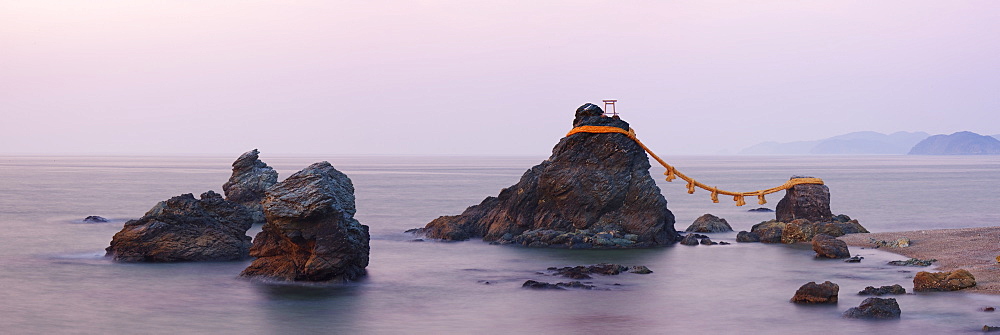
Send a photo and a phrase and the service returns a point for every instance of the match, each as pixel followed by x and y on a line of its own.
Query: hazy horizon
pixel 483 78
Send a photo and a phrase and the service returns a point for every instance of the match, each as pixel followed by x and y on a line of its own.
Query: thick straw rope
pixel 672 172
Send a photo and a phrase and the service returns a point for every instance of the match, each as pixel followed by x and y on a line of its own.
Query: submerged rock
pixel 185 229
pixel 709 223
pixel 827 246
pixel 250 178
pixel 875 308
pixel 805 201
pixel 812 293
pixel 943 281
pixel 913 262
pixel 692 239
pixel 311 233
pixel 595 191
pixel 584 271
pixel 761 210
pixel 894 289
pixel 557 286
pixel 94 219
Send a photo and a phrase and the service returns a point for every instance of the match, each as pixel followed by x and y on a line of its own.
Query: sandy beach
pixel 973 249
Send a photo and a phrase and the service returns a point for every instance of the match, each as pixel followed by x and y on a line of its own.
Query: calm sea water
pixel 55 280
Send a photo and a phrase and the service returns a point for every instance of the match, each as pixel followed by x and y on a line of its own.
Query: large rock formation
pixel 805 201
pixel 185 229
pixel 709 223
pixel 595 191
pixel 311 233
pixel 251 177
pixel 960 143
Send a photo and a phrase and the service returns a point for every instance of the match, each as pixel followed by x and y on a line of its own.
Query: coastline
pixel 973 249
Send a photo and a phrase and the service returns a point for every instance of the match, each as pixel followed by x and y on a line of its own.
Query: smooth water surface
pixel 55 279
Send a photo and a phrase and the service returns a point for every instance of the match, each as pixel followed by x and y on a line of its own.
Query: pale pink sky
pixel 478 77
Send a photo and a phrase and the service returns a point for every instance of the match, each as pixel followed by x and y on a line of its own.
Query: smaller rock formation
pixel 894 289
pixel 745 236
pixel 769 231
pixel 943 281
pixel 185 229
pixel 557 286
pixel 311 233
pixel 812 293
pixel 827 246
pixel 709 223
pixel 94 219
pixel 805 201
pixel 960 143
pixel 707 241
pixel 913 262
pixel 250 178
pixel 875 308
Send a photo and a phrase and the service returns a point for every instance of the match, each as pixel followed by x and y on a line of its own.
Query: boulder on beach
pixel 943 281
pixel 827 246
pixel 812 293
pixel 185 229
pixel 594 191
pixel 250 178
pixel 311 233
pixel 709 223
pixel 875 308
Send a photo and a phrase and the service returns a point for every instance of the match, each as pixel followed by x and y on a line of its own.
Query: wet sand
pixel 973 249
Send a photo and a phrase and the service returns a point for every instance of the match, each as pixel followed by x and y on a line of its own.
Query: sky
pixel 387 77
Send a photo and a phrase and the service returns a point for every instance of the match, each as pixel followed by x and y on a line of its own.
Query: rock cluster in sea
pixel 943 281
pixel 812 293
pixel 595 191
pixel 875 308
pixel 800 230
pixel 709 223
pixel 185 229
pixel 802 213
pixel 311 233
pixel 250 178
pixel 584 271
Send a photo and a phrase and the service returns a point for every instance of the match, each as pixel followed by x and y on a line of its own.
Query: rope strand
pixel 672 172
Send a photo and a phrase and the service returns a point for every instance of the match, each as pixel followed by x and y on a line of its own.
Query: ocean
pixel 54 277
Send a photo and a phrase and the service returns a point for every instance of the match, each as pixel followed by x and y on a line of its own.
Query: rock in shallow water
pixel 709 223
pixel 250 178
pixel 894 289
pixel 185 229
pixel 593 189
pixel 827 246
pixel 812 293
pixel 94 219
pixel 875 308
pixel 805 201
pixel 311 233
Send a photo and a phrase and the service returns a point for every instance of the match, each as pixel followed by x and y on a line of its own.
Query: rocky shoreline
pixel 972 249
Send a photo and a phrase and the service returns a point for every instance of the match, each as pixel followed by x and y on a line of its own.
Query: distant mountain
pixel 960 143
pixel 862 142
